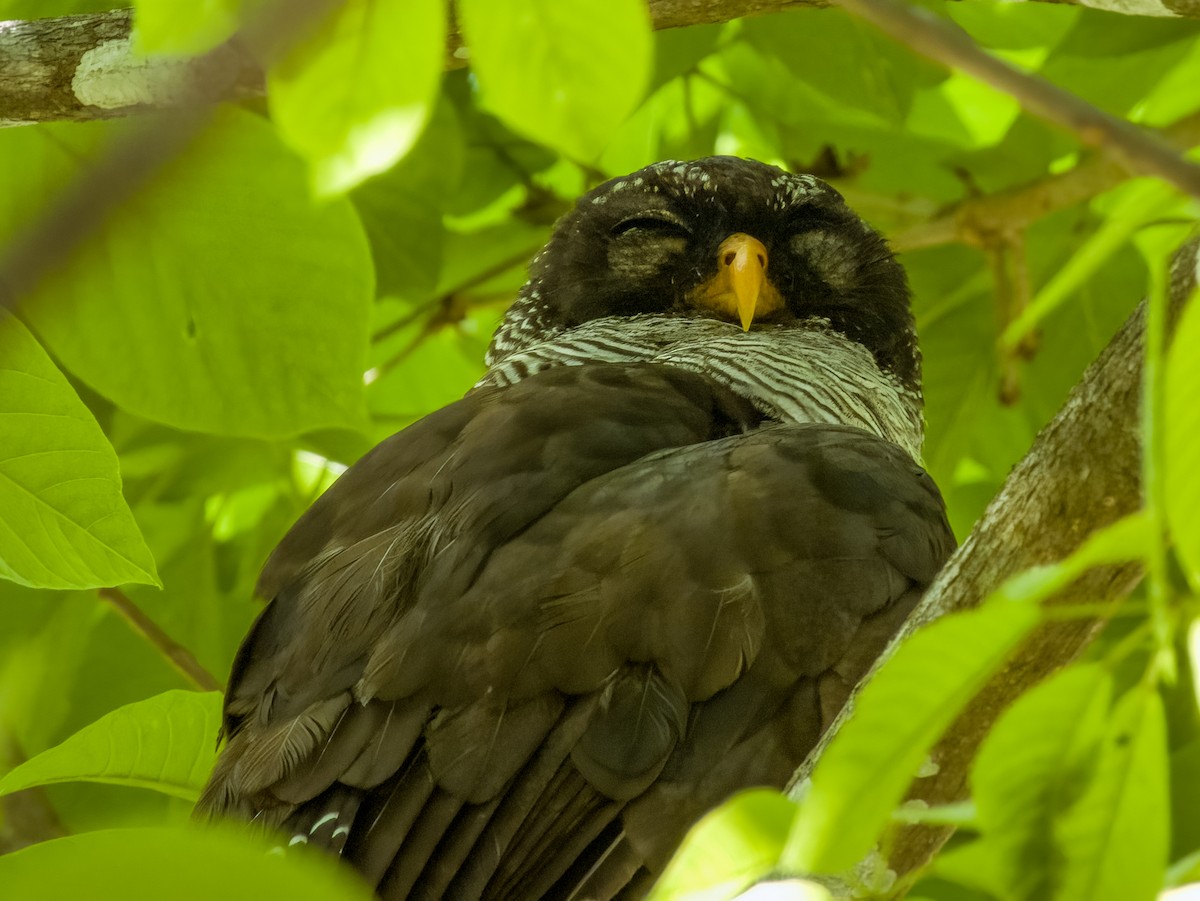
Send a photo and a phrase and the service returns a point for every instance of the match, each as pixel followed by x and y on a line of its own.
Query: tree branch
pixel 1141 151
pixel 83 67
pixel 1082 474
pixel 984 220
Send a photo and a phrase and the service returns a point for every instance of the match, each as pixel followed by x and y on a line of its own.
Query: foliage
pixel 306 279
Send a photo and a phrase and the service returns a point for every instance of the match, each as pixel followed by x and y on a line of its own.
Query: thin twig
pixel 179 656
pixel 444 299
pixel 1140 151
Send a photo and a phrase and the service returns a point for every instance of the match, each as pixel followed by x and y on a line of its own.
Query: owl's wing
pixel 521 645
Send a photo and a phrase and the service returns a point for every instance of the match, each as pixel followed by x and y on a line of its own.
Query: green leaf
pixel 897 718
pixel 165 743
pixel 845 60
pixel 1181 438
pixel 565 74
pixel 354 98
pixel 63 520
pixel 1129 538
pixel 219 299
pixel 183 864
pixel 1133 205
pixel 183 27
pixel 1114 841
pixel 731 847
pixel 402 208
pixel 1034 764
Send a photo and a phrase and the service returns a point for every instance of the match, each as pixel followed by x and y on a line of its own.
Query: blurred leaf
pixel 1034 763
pixel 678 50
pixel 848 61
pixel 183 27
pixel 1181 438
pixel 1172 96
pixel 974 868
pixel 1185 783
pixel 1014 26
pixel 63 521
pixel 1114 840
pixel 354 97
pixel 563 74
pixel 218 299
pixel 36 9
pixel 1114 67
pixel 495 160
pixel 897 718
pixel 165 743
pixel 184 864
pixel 402 208
pixel 1133 205
pixel 46 639
pixel 731 847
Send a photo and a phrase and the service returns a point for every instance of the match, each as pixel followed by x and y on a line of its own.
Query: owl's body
pixel 520 647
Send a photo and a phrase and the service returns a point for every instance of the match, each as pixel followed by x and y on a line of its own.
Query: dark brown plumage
pixel 522 645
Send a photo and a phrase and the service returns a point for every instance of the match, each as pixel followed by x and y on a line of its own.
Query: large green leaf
pixel 1035 763
pixel 354 97
pixel 730 848
pixel 1115 840
pixel 181 864
pixel 220 298
pixel 63 521
pixel 897 718
pixel 1181 438
pixel 564 74
pixel 165 743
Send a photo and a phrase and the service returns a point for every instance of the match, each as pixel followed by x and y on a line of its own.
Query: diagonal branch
pixel 980 221
pixel 1141 151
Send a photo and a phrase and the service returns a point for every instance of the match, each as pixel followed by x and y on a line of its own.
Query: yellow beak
pixel 740 288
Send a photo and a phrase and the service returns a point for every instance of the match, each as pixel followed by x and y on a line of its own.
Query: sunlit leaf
pixel 1114 840
pixel 1181 439
pixel 563 74
pixel 1035 763
pixel 402 208
pixel 897 718
pixel 183 27
pixel 63 521
pixel 184 864
pixel 354 97
pixel 1133 205
pixel 166 743
pixel 730 848
pixel 220 298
